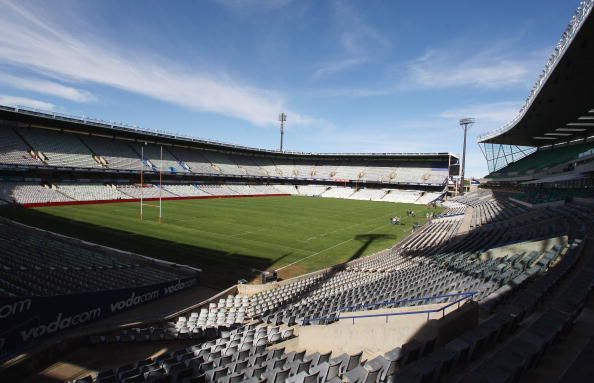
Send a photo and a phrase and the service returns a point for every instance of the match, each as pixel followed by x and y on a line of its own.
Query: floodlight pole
pixel 282 118
pixel 465 123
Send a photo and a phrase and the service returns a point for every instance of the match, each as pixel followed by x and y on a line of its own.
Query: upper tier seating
pixel 305 169
pixel 542 160
pixel 224 163
pixel 44 147
pixel 348 170
pixel 379 171
pixel 196 161
pixel 249 166
pixel 268 166
pixel 60 149
pixel 286 168
pixel 117 154
pixel 545 195
pixel 13 150
pixel 170 164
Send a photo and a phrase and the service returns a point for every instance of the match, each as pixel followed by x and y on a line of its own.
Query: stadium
pixel 137 255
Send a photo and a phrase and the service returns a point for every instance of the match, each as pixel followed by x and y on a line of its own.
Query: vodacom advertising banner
pixel 23 321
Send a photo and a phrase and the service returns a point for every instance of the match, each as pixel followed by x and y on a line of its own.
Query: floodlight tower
pixel 465 123
pixel 282 118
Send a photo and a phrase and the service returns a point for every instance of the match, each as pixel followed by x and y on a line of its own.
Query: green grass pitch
pixel 227 238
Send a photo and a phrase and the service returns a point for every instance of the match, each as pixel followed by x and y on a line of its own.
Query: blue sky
pixel 352 76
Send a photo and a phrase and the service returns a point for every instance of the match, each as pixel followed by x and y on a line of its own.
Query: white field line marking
pixel 339 229
pixel 237 235
pixel 326 249
pixel 215 234
pixel 279 245
pixel 248 232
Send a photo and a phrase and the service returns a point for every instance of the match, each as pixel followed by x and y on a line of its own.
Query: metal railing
pixel 374 306
pixel 574 26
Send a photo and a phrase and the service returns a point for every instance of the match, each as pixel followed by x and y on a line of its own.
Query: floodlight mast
pixel 465 123
pixel 282 118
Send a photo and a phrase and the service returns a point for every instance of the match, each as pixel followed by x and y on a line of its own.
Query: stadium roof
pixel 92 126
pixel 560 107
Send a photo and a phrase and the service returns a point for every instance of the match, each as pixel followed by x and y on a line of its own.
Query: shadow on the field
pixel 220 269
pixel 367 240
pixel 281 257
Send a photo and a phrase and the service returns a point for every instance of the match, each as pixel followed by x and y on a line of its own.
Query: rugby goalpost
pixel 142 204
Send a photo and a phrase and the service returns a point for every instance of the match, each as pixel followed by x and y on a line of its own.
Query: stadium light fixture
pixel 544 138
pixel 282 118
pixel 586 118
pixel 465 123
pixel 558 134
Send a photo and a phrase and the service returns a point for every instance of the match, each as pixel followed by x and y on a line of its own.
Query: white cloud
pixel 27 41
pixel 251 4
pixel 350 92
pixel 357 37
pixel 499 112
pixel 337 66
pixel 485 69
pixel 358 40
pixel 47 87
pixel 23 101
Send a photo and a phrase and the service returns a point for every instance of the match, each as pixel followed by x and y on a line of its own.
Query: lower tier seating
pixel 34 262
